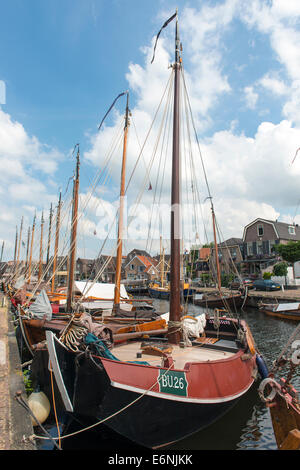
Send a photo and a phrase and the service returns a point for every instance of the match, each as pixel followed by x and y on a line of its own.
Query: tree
pixel 267 275
pixel 289 252
pixel 280 269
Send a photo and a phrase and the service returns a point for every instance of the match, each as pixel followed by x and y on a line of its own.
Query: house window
pixel 291 230
pixel 260 230
pixel 132 266
pixel 141 269
pixel 259 248
pixel 249 249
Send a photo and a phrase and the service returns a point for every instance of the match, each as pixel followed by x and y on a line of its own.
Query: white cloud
pixel 250 97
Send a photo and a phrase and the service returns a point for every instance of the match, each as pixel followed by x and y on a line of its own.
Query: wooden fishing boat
pixel 284 409
pixel 287 311
pixel 158 291
pixel 281 397
pixel 219 299
pixel 159 386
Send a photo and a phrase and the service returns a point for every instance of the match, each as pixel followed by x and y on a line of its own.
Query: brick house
pixel 259 239
pixel 230 254
pixel 141 267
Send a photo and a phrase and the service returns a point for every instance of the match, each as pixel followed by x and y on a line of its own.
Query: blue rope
pixel 103 351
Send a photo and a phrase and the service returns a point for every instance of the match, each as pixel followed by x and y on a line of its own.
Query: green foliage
pixel 27 381
pixel 280 269
pixel 267 275
pixel 206 278
pixel 226 279
pixel 289 252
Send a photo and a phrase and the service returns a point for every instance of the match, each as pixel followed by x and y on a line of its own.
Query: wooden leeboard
pixel 284 420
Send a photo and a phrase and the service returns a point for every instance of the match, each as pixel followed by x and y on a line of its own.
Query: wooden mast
pixel 56 244
pixel 27 248
pixel 41 249
pixel 73 235
pixel 216 248
pixel 31 248
pixel 16 245
pixel 116 307
pixel 49 235
pixel 20 238
pixel 174 334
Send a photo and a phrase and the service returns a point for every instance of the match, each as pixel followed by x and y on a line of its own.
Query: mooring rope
pixel 34 436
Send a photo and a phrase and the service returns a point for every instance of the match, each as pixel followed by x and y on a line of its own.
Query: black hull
pixel 163 421
pixel 150 422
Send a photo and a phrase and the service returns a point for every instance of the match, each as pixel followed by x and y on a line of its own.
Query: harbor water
pixel 247 426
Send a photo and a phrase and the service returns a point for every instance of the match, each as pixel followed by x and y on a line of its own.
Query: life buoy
pixel 274 389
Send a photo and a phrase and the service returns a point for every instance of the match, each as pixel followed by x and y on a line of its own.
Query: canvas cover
pixel 41 306
pixel 287 307
pixel 99 289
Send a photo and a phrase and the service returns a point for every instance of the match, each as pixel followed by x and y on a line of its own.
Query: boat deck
pixel 195 353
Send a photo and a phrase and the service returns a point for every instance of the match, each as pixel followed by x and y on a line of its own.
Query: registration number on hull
pixel 173 382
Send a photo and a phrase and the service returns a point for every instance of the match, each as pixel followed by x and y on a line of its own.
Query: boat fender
pixel 262 366
pixel 40 406
pixel 274 389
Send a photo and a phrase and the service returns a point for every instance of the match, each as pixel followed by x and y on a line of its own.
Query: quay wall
pixel 15 422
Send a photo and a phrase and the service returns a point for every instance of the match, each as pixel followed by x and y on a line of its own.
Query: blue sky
pixel 63 63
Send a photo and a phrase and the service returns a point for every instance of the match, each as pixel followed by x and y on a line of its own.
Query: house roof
pixel 281 229
pixel 231 242
pixel 147 261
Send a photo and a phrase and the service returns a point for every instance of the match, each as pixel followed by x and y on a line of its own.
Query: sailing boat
pixel 159 388
pixel 219 299
pixel 42 315
pixel 160 289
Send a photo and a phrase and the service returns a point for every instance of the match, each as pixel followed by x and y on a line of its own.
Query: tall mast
pixel 2 249
pixel 20 238
pixel 73 235
pixel 31 248
pixel 216 248
pixel 56 244
pixel 16 245
pixel 41 248
pixel 49 234
pixel 27 248
pixel 121 215
pixel 174 335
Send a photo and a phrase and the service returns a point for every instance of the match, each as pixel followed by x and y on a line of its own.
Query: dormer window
pixel 260 230
pixel 292 230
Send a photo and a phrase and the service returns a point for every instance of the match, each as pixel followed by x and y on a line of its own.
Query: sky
pixel 62 64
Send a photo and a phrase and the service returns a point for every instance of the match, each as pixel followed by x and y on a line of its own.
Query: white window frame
pixel 291 230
